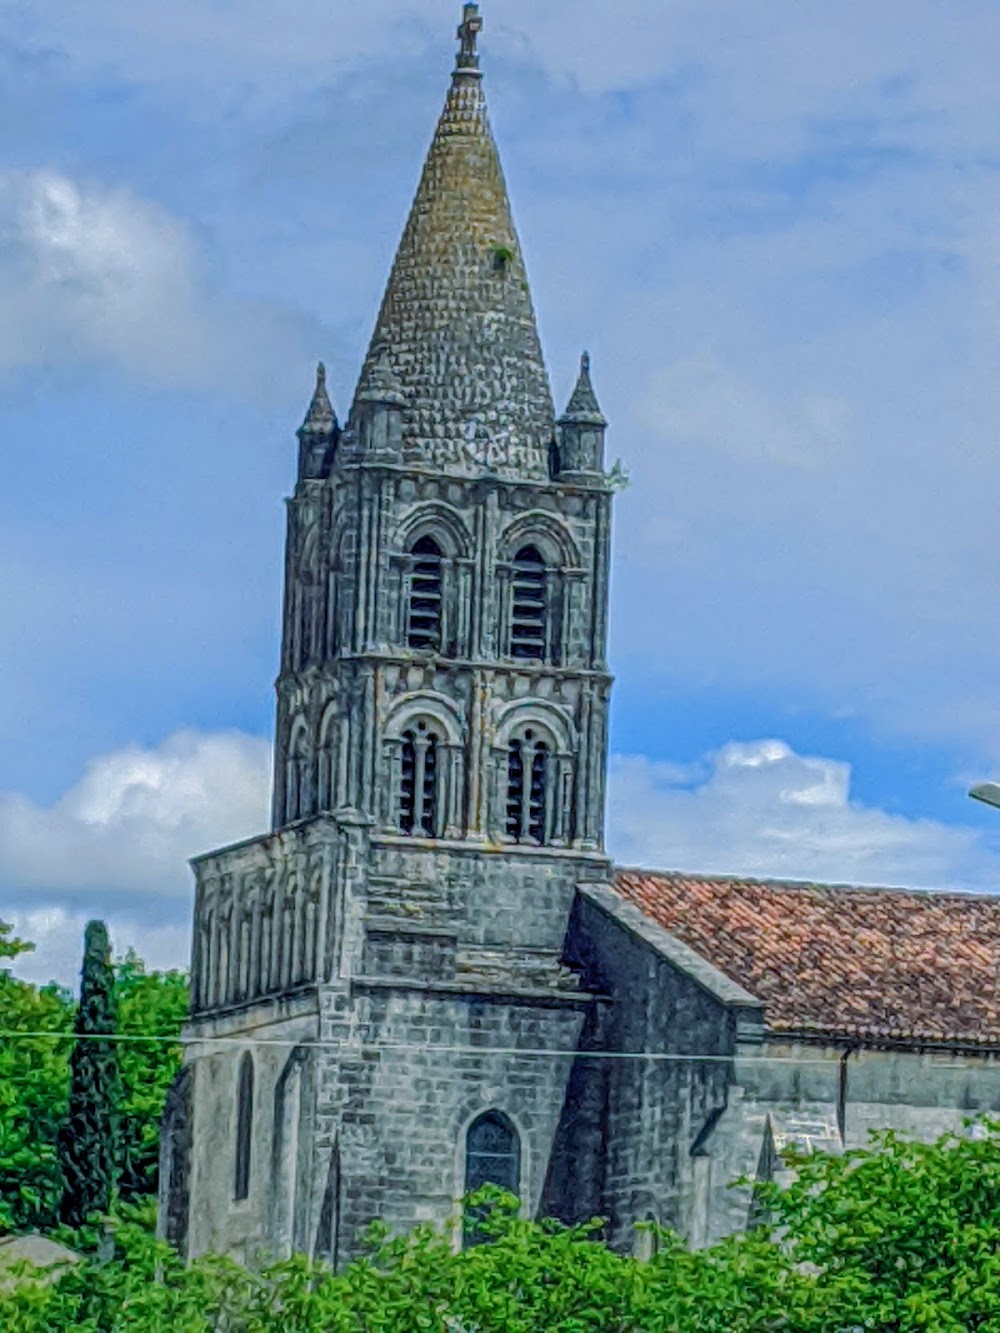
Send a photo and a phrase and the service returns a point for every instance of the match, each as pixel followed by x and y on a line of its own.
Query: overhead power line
pixel 351 1048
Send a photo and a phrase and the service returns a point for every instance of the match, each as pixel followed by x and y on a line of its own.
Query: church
pixel 428 974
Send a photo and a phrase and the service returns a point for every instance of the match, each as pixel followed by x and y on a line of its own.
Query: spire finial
pixel 468 31
pixel 320 416
pixel 583 406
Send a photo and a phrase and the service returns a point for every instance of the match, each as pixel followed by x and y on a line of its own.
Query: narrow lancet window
pixel 424 627
pixel 418 783
pixel 244 1127
pixel 528 611
pixel 492 1157
pixel 527 789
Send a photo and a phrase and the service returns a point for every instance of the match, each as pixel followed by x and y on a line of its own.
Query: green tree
pixel 34 1083
pixel 89 1137
pixel 151 1005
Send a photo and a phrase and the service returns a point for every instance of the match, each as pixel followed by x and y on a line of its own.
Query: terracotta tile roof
pixel 880 965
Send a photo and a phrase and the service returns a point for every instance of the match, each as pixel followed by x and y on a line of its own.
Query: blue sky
pixel 775 227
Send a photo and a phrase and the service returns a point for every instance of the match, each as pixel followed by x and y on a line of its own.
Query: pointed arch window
pixel 244 1127
pixel 492 1157
pixel 528 760
pixel 528 614
pixel 418 786
pixel 424 619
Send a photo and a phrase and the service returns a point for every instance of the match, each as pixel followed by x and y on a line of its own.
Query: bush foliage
pixel 900 1237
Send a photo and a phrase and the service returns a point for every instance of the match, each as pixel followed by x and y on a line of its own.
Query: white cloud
pixel 97 276
pixel 127 828
pixel 763 810
pixel 57 935
pixel 116 844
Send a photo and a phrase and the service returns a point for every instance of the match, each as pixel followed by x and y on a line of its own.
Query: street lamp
pixel 988 792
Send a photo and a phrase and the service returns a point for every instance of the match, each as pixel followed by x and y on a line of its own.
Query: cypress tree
pixel 88 1140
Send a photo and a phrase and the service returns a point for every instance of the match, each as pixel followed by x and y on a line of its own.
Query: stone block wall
pixel 270 1031
pixel 813 1095
pixel 662 1000
pixel 409 1068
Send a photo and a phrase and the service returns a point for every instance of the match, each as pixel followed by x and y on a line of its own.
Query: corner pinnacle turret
pixel 318 432
pixel 457 324
pixel 583 407
pixel 320 417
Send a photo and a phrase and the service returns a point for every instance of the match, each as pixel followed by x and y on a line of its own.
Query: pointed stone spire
pixel 320 419
pixel 583 407
pixel 457 324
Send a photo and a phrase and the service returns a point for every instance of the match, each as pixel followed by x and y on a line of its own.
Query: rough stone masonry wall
pixel 410 1068
pixel 828 1097
pixel 454 968
pixel 270 1030
pixel 662 1000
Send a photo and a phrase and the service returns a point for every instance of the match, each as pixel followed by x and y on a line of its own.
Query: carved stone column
pixel 393 760
pixel 563 832
pixel 222 976
pixel 277 919
pixel 266 946
pixel 451 818
pixel 232 980
pixel 463 596
pixel 255 985
pixel 307 970
pixel 421 743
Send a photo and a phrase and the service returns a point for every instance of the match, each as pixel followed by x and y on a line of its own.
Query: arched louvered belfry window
pixel 528 612
pixel 418 784
pixel 528 759
pixel 424 612
pixel 492 1157
pixel 244 1127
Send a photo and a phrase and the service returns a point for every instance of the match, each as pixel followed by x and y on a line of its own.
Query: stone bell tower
pixel 366 975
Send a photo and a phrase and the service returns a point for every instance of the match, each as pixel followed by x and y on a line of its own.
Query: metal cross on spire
pixel 469 30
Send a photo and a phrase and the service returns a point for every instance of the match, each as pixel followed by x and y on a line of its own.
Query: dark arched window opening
pixel 527 789
pixel 424 627
pixel 418 782
pixel 329 1216
pixel 492 1157
pixel 528 611
pixel 244 1127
